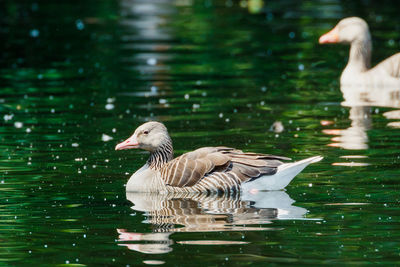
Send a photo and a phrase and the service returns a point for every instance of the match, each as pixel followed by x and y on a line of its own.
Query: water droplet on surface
pixel 34 33
pixel 18 124
pixel 110 106
pixel 8 117
pixel 151 61
pixel 106 138
pixel 79 24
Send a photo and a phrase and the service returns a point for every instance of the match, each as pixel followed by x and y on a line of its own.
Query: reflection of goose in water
pixel 361 101
pixel 361 86
pixel 355 137
pixel 183 212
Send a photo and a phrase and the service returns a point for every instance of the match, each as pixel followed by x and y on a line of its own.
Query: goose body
pixel 357 72
pixel 207 169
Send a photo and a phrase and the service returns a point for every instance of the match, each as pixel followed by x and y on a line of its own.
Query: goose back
pixel 217 169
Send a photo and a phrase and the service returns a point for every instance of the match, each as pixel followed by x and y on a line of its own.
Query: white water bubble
pixel 18 124
pixel 151 61
pixel 109 106
pixel 8 117
pixel 34 33
pixel 79 24
pixel 106 138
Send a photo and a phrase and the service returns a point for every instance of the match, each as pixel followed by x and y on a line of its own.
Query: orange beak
pixel 330 37
pixel 129 143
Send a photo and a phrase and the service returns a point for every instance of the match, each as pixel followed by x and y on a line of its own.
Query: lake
pixel 78 78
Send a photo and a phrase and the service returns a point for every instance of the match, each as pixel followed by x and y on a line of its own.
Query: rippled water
pixel 77 79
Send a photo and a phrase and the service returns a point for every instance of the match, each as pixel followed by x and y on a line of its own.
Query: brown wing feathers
pixel 190 168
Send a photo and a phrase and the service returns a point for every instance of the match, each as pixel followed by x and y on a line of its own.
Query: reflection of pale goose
pixel 208 169
pixel 355 31
pixel 355 137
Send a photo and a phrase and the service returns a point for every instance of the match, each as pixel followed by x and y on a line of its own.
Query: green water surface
pixel 77 77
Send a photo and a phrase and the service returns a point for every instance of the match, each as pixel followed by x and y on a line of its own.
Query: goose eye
pixel 146 132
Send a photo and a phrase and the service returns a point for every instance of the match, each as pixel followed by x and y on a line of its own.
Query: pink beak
pixel 330 37
pixel 129 143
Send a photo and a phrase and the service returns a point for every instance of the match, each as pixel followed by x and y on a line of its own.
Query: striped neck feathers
pixel 161 155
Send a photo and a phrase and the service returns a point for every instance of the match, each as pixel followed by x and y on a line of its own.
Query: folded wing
pixel 220 163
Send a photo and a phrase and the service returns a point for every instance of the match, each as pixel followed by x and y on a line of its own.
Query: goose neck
pixel 360 55
pixel 161 155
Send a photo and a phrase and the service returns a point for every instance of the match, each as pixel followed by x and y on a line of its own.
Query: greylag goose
pixel 207 169
pixel 355 32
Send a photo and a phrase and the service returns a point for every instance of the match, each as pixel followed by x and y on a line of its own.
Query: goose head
pixel 348 30
pixel 149 136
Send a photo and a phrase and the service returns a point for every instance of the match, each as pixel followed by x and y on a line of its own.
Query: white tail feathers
pixel 285 174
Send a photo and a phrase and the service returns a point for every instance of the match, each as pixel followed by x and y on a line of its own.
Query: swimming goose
pixel 355 32
pixel 207 169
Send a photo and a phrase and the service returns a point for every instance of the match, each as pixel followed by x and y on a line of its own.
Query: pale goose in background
pixel 207 169
pixel 355 32
pixel 362 86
